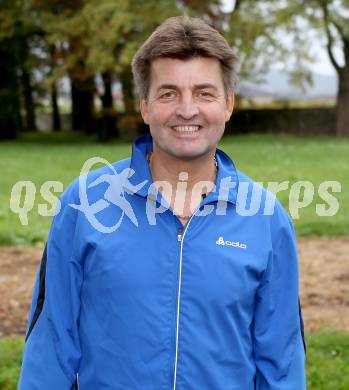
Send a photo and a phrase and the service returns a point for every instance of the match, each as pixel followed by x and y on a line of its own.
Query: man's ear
pixel 143 106
pixel 229 106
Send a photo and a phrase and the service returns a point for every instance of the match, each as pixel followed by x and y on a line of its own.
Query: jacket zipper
pixel 179 235
pixel 180 238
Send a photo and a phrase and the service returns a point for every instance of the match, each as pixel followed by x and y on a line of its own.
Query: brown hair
pixel 183 37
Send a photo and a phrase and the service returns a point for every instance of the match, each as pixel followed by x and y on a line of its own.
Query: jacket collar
pixel 226 181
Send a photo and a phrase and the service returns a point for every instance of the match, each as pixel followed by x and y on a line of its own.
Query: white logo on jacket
pixel 235 244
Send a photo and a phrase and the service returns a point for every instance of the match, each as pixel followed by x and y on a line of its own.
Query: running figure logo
pixel 115 194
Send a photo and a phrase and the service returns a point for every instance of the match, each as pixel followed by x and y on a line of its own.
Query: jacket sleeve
pixel 52 349
pixel 278 338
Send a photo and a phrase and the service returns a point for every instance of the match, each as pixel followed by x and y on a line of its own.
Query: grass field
pixel 327 361
pixel 59 157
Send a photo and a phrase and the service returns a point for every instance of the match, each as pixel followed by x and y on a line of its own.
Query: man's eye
pixel 167 95
pixel 206 94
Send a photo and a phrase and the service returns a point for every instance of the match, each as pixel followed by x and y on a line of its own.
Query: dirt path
pixel 324 284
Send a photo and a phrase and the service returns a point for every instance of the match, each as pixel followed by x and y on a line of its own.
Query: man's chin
pixel 189 155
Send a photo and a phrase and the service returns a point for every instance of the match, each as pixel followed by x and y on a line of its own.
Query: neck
pixel 168 168
pixel 188 179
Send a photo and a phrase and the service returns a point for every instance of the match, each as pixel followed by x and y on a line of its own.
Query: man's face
pixel 186 108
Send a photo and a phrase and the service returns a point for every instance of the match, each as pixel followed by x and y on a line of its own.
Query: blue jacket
pixel 152 304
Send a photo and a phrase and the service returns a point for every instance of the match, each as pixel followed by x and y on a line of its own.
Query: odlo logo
pixel 236 244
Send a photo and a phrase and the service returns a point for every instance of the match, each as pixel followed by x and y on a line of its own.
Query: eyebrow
pixel 205 86
pixel 196 86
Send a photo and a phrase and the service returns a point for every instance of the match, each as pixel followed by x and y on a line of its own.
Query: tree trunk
pixel 28 101
pixel 75 113
pixel 107 126
pixel 56 119
pixel 82 92
pixel 342 109
pixel 82 80
pixel 127 91
pixel 10 116
pixel 107 98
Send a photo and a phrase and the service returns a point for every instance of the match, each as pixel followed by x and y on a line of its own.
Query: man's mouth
pixel 186 129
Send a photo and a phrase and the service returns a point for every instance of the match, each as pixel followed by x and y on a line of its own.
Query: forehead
pixel 186 73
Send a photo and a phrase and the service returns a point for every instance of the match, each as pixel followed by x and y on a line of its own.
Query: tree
pixel 65 29
pixel 335 17
pixel 330 18
pixel 114 34
pixel 26 80
pixel 253 29
pixel 18 29
pixel 82 79
pixel 56 119
pixel 10 116
pixel 88 38
pixel 265 34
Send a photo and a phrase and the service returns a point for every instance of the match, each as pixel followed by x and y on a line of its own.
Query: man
pixel 191 291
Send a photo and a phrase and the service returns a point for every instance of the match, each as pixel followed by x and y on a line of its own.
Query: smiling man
pixel 201 295
pixel 186 108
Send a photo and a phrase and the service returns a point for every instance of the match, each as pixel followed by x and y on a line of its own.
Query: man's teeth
pixel 187 129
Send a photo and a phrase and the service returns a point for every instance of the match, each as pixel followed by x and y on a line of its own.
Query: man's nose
pixel 187 108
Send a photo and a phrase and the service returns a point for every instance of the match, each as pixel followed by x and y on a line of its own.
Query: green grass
pixel 10 362
pixel 327 361
pixel 285 158
pixel 60 156
pixel 38 158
